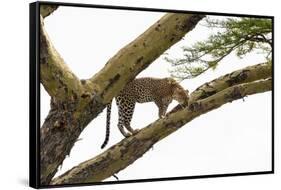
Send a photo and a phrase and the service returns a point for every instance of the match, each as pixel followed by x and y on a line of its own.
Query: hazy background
pixel 233 138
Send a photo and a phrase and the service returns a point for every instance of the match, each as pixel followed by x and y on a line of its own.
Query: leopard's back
pixel 147 89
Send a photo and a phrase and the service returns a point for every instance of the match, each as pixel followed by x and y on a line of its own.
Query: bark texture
pixel 248 74
pixel 130 149
pixel 245 75
pixel 57 78
pixel 74 102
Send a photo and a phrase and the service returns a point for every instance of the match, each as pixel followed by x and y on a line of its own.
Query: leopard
pixel 161 91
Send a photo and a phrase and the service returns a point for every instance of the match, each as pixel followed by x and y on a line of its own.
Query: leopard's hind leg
pixel 128 114
pixel 121 105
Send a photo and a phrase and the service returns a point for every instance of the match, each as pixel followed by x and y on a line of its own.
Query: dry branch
pixel 130 149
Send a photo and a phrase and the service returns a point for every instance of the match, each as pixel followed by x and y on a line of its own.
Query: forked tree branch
pixel 124 153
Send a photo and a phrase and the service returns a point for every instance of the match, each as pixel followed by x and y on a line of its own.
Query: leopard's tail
pixel 108 113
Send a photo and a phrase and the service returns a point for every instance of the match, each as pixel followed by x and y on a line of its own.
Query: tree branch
pixel 124 153
pixel 261 38
pixel 56 77
pixel 247 74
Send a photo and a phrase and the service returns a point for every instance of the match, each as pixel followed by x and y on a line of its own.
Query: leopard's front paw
pixel 135 131
pixel 127 135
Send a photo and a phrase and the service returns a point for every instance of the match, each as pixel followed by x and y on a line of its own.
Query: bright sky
pixel 234 138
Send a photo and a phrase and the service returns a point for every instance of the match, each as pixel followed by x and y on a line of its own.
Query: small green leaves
pixel 239 35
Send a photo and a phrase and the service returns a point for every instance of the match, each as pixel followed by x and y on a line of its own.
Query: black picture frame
pixel 34 91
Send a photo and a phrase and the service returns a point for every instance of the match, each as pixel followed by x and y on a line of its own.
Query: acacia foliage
pixel 238 35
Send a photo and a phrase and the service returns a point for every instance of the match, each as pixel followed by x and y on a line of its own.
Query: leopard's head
pixel 179 93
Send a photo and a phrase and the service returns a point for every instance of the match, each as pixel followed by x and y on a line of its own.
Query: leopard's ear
pixel 172 81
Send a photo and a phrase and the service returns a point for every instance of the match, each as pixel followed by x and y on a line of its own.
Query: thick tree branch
pixel 130 149
pixel 86 99
pixel 247 74
pixel 55 75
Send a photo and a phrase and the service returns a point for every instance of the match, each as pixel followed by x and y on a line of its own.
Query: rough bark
pixel 75 103
pixel 130 149
pixel 57 78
